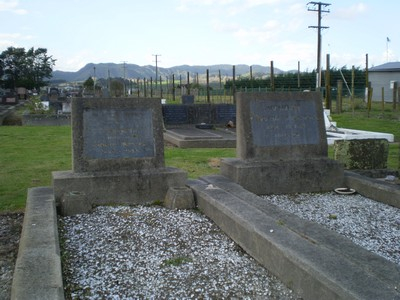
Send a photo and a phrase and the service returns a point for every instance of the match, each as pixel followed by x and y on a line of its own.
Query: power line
pixel 320 8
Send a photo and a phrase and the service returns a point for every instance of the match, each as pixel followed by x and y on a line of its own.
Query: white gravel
pixel 156 253
pixel 370 224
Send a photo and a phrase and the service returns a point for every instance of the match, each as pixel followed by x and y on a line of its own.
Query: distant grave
pixel 281 145
pixel 118 155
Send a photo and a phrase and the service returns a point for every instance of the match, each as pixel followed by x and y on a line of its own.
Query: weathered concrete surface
pixel 190 137
pixel 284 176
pixel 362 154
pixel 373 188
pixel 125 187
pixel 179 198
pixel 37 272
pixel 315 262
pixel 281 145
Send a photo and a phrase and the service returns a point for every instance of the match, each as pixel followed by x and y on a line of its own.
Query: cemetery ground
pixel 30 154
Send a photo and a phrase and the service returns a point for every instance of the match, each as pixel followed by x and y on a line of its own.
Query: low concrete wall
pixel 46 120
pixel 37 272
pixel 315 262
pixel 378 190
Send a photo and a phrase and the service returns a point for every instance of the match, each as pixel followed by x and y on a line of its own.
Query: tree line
pixel 25 68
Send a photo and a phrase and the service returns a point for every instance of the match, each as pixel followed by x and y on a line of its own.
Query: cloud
pixel 12 6
pixel 350 12
pixel 13 39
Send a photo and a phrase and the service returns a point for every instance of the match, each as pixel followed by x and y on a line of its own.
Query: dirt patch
pixel 214 162
pixel 10 232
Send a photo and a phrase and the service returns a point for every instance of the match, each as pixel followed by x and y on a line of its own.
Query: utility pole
pixel 156 56
pixel 320 8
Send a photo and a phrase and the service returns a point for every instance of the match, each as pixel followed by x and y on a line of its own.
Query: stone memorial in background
pixel 281 145
pixel 187 99
pixel 117 155
pixel 365 154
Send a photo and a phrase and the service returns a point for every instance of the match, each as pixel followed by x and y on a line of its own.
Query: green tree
pixel 25 68
pixel 88 84
pixel 116 88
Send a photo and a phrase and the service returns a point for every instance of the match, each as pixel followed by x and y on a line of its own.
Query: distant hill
pixel 105 70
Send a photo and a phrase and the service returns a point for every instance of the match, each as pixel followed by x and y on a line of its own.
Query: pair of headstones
pixel 118 150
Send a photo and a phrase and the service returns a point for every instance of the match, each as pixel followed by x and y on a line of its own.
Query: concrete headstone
pixel 118 155
pixel 281 144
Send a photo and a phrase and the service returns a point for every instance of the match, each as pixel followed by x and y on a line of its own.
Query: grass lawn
pixel 30 153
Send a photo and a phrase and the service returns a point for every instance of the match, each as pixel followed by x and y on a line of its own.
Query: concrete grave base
pixel 190 137
pixel 317 263
pixel 124 187
pixel 179 198
pixel 284 177
pixel 73 203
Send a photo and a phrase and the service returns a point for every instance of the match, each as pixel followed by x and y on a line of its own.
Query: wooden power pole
pixel 320 8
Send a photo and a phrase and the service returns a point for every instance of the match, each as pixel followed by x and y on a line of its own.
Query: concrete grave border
pixel 375 277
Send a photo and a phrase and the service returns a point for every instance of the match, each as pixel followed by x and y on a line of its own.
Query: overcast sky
pixel 202 32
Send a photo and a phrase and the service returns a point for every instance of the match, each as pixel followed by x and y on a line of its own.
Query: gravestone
pixel 363 154
pixel 187 99
pixel 117 155
pixel 281 145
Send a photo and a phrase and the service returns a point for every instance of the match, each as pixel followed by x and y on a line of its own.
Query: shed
pixel 383 76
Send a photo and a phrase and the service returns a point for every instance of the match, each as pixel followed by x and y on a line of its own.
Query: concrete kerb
pixel 373 188
pixel 315 262
pixel 37 273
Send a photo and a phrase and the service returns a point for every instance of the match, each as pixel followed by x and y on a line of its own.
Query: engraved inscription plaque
pixel 118 133
pixel 284 123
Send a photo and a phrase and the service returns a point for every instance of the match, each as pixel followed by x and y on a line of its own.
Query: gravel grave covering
pixel 152 252
pixel 10 232
pixel 372 225
pixel 156 253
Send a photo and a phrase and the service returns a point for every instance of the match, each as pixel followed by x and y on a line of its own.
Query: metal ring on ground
pixel 345 191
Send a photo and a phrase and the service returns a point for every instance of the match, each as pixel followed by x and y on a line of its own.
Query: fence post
pixel 145 87
pixel 394 95
pixel 339 96
pixel 383 99
pixel 151 87
pixel 188 84
pixel 369 99
pixel 352 89
pixel 208 86
pixel 328 100
pixel 272 76
pixel 233 84
pixel 173 87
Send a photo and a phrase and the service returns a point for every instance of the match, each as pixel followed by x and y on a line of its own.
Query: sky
pixel 203 32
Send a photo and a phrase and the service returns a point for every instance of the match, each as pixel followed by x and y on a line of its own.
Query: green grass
pixel 197 162
pixel 28 154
